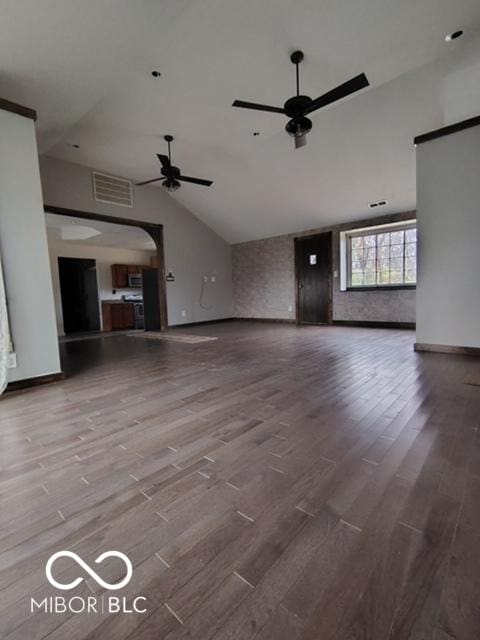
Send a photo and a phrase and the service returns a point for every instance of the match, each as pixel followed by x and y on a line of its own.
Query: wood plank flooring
pixel 279 483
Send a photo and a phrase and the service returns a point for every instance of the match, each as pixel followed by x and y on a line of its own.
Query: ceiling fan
pixel 298 107
pixel 170 174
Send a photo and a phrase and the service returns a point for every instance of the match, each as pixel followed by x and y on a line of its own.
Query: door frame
pixel 155 231
pixel 330 277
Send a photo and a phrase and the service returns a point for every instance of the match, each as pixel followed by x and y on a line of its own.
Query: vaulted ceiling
pixel 86 67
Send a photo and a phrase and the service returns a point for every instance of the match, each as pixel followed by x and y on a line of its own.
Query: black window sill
pixel 388 287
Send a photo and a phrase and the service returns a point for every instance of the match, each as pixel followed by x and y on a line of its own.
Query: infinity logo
pixel 91 572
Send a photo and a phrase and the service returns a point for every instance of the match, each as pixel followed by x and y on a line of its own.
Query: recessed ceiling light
pixel 454 35
pixel 156 74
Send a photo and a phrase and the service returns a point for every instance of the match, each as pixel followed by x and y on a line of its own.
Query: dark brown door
pixel 313 258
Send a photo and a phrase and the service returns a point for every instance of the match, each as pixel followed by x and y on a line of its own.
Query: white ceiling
pixel 85 66
pixel 92 232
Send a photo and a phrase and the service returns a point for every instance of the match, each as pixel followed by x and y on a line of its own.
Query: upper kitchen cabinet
pixel 121 273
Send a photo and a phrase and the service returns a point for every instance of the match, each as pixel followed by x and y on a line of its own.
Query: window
pixel 384 257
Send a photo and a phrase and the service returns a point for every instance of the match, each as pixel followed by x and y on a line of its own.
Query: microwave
pixel 135 280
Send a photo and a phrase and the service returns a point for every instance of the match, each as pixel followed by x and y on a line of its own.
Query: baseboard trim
pixel 446 348
pixel 27 383
pixel 280 320
pixel 200 322
pixel 374 325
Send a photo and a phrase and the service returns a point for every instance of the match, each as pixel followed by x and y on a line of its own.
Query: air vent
pixel 112 190
pixel 380 203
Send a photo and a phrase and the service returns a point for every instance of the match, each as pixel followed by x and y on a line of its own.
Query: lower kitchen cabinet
pixel 118 316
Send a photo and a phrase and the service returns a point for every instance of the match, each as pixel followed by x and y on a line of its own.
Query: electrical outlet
pixel 184 313
pixel 12 360
pixel 205 279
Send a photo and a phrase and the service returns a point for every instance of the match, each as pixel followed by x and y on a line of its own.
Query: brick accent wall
pixel 264 281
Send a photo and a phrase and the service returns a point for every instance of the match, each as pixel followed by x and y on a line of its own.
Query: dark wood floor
pixel 278 483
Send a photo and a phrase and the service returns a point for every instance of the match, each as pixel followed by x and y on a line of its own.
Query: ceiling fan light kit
pixel 299 106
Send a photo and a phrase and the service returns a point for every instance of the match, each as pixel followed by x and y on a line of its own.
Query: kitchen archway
pixel 155 231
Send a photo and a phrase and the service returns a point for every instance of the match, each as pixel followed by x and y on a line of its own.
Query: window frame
pixel 375 230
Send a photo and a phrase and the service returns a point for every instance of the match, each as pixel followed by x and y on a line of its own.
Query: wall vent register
pixel 112 190
pixel 379 203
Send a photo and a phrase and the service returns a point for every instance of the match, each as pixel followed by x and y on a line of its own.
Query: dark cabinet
pixel 119 276
pixel 128 316
pixel 118 316
pixel 120 273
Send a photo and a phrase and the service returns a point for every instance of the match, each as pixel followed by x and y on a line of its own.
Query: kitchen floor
pixel 281 482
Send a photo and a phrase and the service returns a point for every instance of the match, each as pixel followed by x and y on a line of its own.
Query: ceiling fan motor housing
pixel 295 107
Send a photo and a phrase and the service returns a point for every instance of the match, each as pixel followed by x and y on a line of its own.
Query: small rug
pixel 172 337
pixel 474 380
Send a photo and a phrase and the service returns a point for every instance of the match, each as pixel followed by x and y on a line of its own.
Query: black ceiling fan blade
pixel 205 183
pixel 139 184
pixel 164 160
pixel 342 91
pixel 257 107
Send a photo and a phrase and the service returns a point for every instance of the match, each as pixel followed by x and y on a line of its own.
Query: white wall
pixel 104 257
pixel 448 215
pixel 23 244
pixel 192 250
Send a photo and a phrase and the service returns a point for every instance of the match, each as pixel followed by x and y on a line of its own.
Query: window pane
pixel 396 264
pixel 396 237
pixel 411 249
pixel 383 239
pixel 383 264
pixel 410 276
pixel 396 277
pixel 411 235
pixel 410 263
pixel 396 250
pixel 357 279
pixel 369 241
pixel 384 277
pixel 357 243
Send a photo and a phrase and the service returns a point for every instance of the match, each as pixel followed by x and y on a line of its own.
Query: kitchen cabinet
pixel 118 316
pixel 120 273
pixel 119 276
